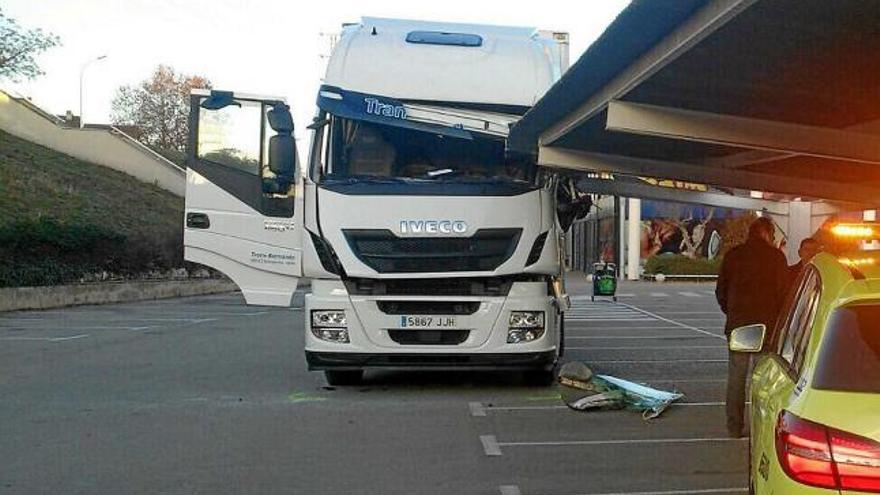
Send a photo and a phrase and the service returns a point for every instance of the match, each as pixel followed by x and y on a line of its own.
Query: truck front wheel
pixel 343 377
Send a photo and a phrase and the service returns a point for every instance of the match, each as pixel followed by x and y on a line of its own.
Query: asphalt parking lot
pixel 207 395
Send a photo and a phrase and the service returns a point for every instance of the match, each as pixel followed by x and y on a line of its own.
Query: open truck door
pixel 244 205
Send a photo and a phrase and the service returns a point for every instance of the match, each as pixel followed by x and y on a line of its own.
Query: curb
pixel 58 296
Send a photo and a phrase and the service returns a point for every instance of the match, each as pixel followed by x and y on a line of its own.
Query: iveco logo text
pixel 433 227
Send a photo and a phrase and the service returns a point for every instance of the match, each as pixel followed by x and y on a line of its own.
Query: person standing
pixel 750 289
pixel 808 248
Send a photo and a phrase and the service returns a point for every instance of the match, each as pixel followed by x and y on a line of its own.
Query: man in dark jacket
pixel 750 289
pixel 809 247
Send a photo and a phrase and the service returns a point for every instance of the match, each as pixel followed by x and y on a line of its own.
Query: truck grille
pixel 429 337
pixel 384 252
pixel 428 307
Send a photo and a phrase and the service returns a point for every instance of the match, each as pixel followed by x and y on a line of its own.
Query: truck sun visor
pixel 378 110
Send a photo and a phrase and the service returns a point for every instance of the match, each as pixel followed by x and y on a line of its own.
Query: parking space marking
pixel 678 492
pixel 632 337
pixel 659 294
pixel 643 348
pixel 689 294
pixel 48 339
pixel 509 490
pixel 650 361
pixel 618 327
pixel 490 445
pixel 486 409
pixel 477 409
pixel 682 325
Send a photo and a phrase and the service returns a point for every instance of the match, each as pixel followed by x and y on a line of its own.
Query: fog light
pixel 329 319
pixel 337 335
pixel 525 326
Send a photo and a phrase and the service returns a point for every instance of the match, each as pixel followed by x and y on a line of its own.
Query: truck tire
pixel 343 377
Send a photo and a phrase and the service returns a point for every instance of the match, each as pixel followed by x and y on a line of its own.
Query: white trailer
pixel 427 244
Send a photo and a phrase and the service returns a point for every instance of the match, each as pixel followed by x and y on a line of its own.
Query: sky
pixel 268 47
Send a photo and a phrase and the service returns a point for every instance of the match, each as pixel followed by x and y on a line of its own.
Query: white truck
pixel 427 244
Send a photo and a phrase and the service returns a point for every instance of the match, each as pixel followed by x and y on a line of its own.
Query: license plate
pixel 427 321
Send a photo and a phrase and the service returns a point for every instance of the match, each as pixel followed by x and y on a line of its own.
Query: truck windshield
pixel 849 358
pixel 367 151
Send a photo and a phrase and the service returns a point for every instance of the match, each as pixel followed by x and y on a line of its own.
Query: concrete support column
pixel 634 239
pixel 800 226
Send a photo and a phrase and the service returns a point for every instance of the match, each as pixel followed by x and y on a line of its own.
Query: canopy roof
pixel 772 95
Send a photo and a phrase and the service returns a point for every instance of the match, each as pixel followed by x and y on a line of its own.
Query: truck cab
pixel 428 244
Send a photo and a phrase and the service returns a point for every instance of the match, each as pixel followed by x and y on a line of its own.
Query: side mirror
pixel 749 338
pixel 282 150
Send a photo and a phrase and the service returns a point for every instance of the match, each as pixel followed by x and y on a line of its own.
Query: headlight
pixel 527 319
pixel 525 326
pixel 329 319
pixel 330 325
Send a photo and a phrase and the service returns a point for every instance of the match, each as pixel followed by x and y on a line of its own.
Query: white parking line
pixel 629 337
pixel 682 325
pixel 492 447
pixel 659 294
pixel 509 490
pixel 563 407
pixel 47 339
pixel 651 361
pixel 477 409
pixel 643 348
pixel 593 328
pixel 689 294
pixel 677 492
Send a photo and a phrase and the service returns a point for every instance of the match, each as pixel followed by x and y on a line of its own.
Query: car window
pixel 799 317
pixel 784 346
pixel 849 355
pixel 786 311
pixel 805 326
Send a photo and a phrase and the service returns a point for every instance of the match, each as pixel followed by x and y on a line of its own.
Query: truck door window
pixel 231 136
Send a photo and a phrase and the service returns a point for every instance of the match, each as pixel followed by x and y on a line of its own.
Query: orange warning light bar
pixel 856 230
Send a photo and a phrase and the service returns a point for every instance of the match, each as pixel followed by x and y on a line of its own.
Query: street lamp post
pixel 82 73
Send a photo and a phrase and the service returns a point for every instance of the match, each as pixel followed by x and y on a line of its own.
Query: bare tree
pixel 158 108
pixel 19 47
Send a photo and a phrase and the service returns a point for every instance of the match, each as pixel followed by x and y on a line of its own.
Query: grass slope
pixel 62 218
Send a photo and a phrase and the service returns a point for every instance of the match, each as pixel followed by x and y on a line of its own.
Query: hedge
pixel 676 264
pixel 48 252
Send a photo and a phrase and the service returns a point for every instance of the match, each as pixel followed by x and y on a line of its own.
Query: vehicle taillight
pixel 857 460
pixel 814 454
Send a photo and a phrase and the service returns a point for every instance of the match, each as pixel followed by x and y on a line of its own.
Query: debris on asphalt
pixel 583 390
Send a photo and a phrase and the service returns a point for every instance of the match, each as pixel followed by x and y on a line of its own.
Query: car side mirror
pixel 748 338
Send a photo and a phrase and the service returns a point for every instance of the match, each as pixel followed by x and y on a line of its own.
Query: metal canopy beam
pixel 647 191
pixel 755 157
pixel 742 132
pixel 852 196
pixel 703 23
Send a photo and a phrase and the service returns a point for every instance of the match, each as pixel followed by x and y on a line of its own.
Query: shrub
pixel 676 264
pixel 48 252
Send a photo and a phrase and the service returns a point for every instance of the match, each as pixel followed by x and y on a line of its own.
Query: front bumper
pixel 452 361
pixel 372 332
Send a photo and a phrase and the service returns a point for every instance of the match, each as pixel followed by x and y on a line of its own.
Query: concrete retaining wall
pixel 108 147
pixel 17 298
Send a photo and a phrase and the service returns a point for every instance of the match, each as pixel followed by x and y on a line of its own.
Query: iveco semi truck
pixel 427 244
